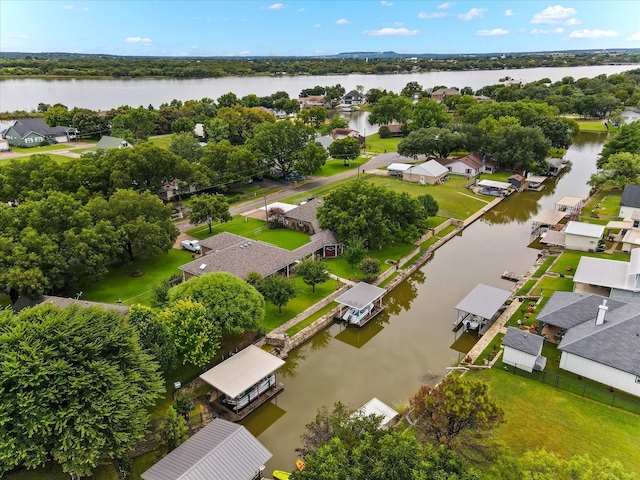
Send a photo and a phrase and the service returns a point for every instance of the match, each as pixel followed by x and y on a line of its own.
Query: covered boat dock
pixel 493 188
pixel 546 220
pixel 480 308
pixel 380 409
pixel 246 380
pixel 571 206
pixel 360 301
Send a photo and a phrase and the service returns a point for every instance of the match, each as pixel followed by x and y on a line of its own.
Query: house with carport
pixel 600 337
pixel 32 132
pixel 427 173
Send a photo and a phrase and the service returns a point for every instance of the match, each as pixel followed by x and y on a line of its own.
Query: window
pixel 638 379
pixel 467 171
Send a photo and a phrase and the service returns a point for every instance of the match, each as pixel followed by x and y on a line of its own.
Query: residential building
pixel 32 132
pixel 469 165
pixel 353 98
pixel 583 236
pixel 107 143
pixel 440 93
pixel 523 350
pixel 630 201
pixel 303 218
pixel 630 116
pixel 613 278
pixel 427 173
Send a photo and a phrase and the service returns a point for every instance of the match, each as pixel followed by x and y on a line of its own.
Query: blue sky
pixel 281 27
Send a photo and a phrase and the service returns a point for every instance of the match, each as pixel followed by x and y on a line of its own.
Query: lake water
pixel 103 94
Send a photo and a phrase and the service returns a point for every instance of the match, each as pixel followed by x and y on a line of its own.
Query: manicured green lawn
pixel 526 288
pixel 539 415
pixel 254 229
pixel 333 167
pixel 496 177
pixel 118 284
pixel 571 259
pixel 162 141
pixel 305 299
pixel 311 318
pixel 375 144
pixel 605 204
pixel 318 192
pixel 594 126
pixel 454 200
pixel 428 243
pixel 553 284
pixel 40 149
pixel 340 267
pixel 544 267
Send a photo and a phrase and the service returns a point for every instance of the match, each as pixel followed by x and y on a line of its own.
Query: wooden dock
pixel 511 276
pixel 226 413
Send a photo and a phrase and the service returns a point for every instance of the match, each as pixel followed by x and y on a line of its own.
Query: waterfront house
pixel 340 133
pixel 523 350
pixel 303 218
pixel 601 339
pixel 613 278
pixel 427 173
pixel 441 93
pixel 353 98
pixel 469 165
pixel 630 116
pixel 312 101
pixel 32 132
pixel 220 451
pixel 583 236
pixel 630 201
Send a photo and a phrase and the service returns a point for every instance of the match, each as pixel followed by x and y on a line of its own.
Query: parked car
pixel 191 245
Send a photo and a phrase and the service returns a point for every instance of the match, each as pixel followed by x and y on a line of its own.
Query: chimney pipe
pixel 602 312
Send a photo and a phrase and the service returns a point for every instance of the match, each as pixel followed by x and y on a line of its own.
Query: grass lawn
pixel 53 471
pixel 333 167
pixel 311 318
pixel 544 267
pixel 61 159
pixel 375 144
pixel 40 149
pixel 538 415
pixel 340 267
pixel 435 221
pixel 254 229
pixel 526 288
pixel 428 243
pixel 454 200
pixel 605 204
pixel 162 141
pixel 593 126
pixel 496 177
pixel 82 150
pixel 571 259
pixel 119 284
pixel 553 284
pixel 304 300
pixel 318 192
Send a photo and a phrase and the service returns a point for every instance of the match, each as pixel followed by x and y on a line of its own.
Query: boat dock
pixel 364 320
pixel 511 276
pixel 226 413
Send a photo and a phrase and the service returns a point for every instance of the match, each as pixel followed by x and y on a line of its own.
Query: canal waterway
pixel 409 344
pixel 107 93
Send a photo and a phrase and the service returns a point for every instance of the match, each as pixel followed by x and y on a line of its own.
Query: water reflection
pixel 357 337
pixel 321 340
pixel 270 413
pixel 297 356
pixel 404 294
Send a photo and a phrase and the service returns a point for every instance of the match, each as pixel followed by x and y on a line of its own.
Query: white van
pixel 191 245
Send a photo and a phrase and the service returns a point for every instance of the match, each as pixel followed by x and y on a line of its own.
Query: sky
pixel 309 28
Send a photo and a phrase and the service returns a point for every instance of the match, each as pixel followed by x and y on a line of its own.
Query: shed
pixel 360 303
pixel 583 236
pixel 245 376
pixel 480 306
pixel 221 450
pixel 378 408
pixel 517 180
pixel 397 169
pixel 522 349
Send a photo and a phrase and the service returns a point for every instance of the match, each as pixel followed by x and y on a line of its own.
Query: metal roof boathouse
pixel 360 301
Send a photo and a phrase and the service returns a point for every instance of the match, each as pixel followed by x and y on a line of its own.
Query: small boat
pixel 280 475
pixel 300 464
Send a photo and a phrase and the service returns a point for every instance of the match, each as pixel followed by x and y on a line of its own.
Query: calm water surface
pixel 410 342
pixel 103 94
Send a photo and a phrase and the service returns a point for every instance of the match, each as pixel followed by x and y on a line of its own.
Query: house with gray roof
pixel 523 350
pixel 32 132
pixel 630 201
pixel 603 343
pixel 303 218
pixel 427 173
pixel 222 450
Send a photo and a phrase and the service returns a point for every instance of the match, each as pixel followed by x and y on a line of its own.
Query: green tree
pixel 429 204
pixel 255 280
pixel 222 163
pixel 278 290
pixel 354 251
pixel 160 290
pixel 314 116
pixel 75 388
pixel 89 123
pixel 345 149
pixel 242 121
pixel 435 141
pixel 228 100
pixel 289 147
pixel 627 139
pixel 312 273
pixel 373 213
pixel 183 125
pixel 391 109
pixel 231 303
pixel 195 333
pixel 429 113
pixel 141 221
pixel 370 267
pixel 154 336
pixel 209 209
pixel 334 122
pixel 619 170
pixel 455 413
pixel 135 125
pixel 186 146
pixel 58 115
pixel 172 430
pixel 412 89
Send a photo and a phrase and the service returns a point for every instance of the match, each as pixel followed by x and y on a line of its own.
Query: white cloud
pixel 539 31
pixel 573 21
pixel 473 13
pixel 317 25
pixel 391 32
pixel 444 5
pixel 553 15
pixel 15 35
pixel 300 10
pixel 141 40
pixel 342 21
pixel 509 13
pixel 244 52
pixel 76 9
pixel 593 33
pixel 492 33
pixel 276 6
pixel 425 15
pixel 386 4
pixel 635 37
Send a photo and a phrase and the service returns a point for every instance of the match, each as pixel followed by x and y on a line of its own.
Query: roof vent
pixel 602 312
pixel 203 266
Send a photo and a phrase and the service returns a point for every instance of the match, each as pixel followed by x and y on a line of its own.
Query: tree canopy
pixel 75 387
pixel 231 303
pixel 439 142
pixel 209 209
pixel 375 214
pixel 618 170
pixel 312 273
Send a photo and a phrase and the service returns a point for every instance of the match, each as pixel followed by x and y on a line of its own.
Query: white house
pixel 397 169
pixel 427 173
pixel 630 201
pixel 470 165
pixel 523 350
pixel 583 236
pixel 630 116
pixel 614 278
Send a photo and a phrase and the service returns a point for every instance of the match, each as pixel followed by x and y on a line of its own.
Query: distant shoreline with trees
pixel 70 65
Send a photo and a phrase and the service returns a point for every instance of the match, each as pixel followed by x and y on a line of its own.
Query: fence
pixel 584 388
